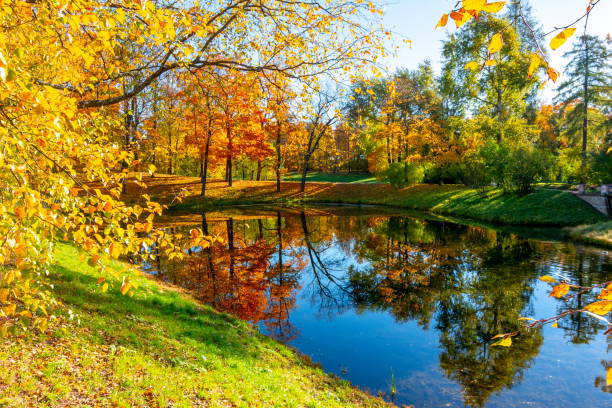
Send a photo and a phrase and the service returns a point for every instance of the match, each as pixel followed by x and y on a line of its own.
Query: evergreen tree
pixel 586 95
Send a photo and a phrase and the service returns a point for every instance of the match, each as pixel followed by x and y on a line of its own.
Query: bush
pixel 444 174
pixel 515 169
pixel 402 174
pixel 601 168
pixel 525 167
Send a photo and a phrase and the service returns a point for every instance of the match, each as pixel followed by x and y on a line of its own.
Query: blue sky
pixel 415 20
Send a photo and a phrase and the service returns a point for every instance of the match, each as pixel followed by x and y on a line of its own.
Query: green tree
pixel 497 84
pixel 586 93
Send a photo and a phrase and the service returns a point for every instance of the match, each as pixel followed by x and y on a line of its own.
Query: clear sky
pixel 416 19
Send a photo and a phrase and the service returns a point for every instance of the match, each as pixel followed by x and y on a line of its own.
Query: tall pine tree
pixel 586 95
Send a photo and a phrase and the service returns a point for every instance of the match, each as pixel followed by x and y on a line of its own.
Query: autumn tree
pixel 322 115
pixel 278 96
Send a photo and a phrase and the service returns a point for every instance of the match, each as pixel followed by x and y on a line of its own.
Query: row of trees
pixel 475 126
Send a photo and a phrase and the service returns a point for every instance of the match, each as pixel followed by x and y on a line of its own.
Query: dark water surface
pixel 391 301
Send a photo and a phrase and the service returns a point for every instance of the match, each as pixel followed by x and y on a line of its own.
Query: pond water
pixel 395 301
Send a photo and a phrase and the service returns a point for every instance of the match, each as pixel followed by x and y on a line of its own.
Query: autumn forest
pixel 264 203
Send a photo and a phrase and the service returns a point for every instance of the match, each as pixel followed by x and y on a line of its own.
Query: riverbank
pixel 598 234
pixel 155 347
pixel 542 207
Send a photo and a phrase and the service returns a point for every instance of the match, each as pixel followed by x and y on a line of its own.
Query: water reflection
pixel 465 283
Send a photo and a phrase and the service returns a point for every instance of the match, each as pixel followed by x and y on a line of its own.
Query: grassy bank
pixel 155 348
pixel 543 207
pixel 599 234
pixel 333 177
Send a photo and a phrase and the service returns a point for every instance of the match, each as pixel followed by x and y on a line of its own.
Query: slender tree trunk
pixel 230 245
pixel 305 172
pixel 500 108
pixel 228 166
pixel 205 163
pixel 258 170
pixel 204 224
pixel 277 165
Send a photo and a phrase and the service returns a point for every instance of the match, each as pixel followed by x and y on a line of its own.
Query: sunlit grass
pixel 600 234
pixel 542 207
pixel 155 348
pixel 333 177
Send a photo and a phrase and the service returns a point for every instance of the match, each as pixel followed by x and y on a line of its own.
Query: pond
pixel 405 305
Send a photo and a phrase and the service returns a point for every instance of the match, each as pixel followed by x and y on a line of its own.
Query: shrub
pixel 402 174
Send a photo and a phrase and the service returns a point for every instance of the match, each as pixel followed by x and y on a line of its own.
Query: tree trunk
pixel 205 164
pixel 230 245
pixel 277 165
pixel 228 168
pixel 585 113
pixel 258 170
pixel 305 172
pixel 500 108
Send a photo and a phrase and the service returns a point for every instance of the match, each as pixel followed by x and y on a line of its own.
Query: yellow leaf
pixel 8 310
pixel 533 64
pixel 475 5
pixel 4 293
pixel 114 250
pixel 472 65
pixel 443 21
pixel 560 290
pixel 526 318
pixel 460 17
pixel 494 7
pixel 609 376
pixel 548 279
pixel 491 63
pixel 507 342
pixel 125 287
pixel 605 294
pixel 555 324
pixel 601 308
pixel 562 37
pixel 20 212
pixel 496 43
pixel 194 233
pixel 104 287
pixel 553 74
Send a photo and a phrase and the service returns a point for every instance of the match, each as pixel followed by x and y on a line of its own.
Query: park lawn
pixel 333 177
pixel 542 207
pixel 154 348
pixel 599 234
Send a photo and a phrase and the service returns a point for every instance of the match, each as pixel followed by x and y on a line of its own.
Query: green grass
pixel 543 207
pixel 599 234
pixel 333 177
pixel 155 348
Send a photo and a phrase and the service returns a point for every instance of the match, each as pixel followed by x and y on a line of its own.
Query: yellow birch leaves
pixel 496 43
pixel 602 308
pixel 472 65
pixel 560 290
pixel 561 38
pixel 534 63
pixel 443 21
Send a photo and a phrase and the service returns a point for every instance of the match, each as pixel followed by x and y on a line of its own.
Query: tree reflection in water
pixel 469 283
